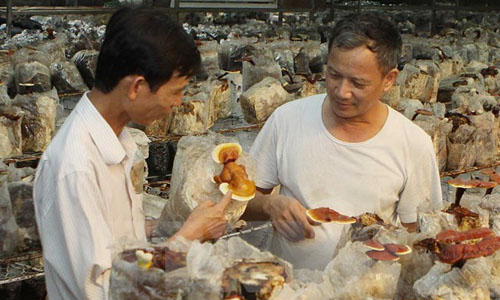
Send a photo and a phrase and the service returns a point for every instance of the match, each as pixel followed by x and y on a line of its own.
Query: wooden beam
pixel 57 10
pixel 9 18
pixel 220 5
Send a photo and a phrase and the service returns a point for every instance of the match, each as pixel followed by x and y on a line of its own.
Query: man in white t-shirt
pixel 345 150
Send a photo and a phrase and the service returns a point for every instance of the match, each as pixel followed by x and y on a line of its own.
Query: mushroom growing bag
pixel 192 181
pixel 354 275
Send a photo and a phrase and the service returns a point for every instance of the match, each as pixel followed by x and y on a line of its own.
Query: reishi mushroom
pixel 325 215
pixel 385 252
pixel 461 185
pixel 233 176
pixel 397 249
pixel 494 176
pixel 382 255
pixel 374 245
pixel 226 152
pixel 455 247
pixel 466 219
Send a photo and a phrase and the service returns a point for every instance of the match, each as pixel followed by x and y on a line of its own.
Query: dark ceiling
pixel 495 3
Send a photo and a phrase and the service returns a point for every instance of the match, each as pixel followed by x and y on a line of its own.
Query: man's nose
pixel 343 89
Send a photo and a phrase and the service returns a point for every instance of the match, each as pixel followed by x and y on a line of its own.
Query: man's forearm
pixel 256 208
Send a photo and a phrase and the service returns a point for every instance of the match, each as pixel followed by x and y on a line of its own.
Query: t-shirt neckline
pixel 356 144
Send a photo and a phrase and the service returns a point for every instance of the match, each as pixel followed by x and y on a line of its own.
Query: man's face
pixel 354 82
pixel 150 106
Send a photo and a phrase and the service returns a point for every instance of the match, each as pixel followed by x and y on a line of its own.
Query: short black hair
pixel 379 35
pixel 147 42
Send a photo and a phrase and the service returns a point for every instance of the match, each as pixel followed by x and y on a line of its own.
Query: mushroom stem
pixel 220 77
pixel 489 190
pixel 459 264
pixel 458 195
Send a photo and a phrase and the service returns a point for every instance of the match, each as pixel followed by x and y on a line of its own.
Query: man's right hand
pixel 289 218
pixel 207 221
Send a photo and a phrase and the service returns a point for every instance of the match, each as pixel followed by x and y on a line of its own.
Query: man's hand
pixel 289 218
pixel 207 221
pixel 411 227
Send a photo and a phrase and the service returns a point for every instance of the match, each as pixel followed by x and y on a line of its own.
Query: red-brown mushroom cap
pixel 487 184
pixel 495 177
pixel 489 245
pixel 465 184
pixel 325 215
pixel 451 253
pixel 382 255
pixel 373 244
pixel 460 212
pixel 452 236
pixel 224 188
pixel 397 249
pixel 447 236
pixel 474 183
pixel 234 177
pixel 226 152
pixel 428 244
pixel 488 171
pixel 455 252
pixel 341 219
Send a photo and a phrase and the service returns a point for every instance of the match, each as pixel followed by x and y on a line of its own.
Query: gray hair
pixel 377 34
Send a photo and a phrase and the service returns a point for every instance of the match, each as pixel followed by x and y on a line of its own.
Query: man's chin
pixel 151 121
pixel 344 113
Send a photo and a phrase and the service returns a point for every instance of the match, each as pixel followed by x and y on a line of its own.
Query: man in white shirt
pixel 84 198
pixel 345 150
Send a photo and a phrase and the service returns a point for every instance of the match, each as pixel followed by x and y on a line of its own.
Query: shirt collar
pixel 113 149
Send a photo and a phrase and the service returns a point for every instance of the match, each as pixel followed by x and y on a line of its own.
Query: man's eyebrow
pixel 360 80
pixel 330 68
pixel 357 79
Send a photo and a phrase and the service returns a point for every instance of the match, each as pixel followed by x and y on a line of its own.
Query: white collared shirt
pixel 84 203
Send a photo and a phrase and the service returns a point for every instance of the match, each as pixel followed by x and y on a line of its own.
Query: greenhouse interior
pixel 260 149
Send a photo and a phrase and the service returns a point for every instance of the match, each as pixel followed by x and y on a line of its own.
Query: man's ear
pixel 137 84
pixel 390 79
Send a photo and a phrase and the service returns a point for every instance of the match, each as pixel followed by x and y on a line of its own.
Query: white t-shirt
pixel 389 174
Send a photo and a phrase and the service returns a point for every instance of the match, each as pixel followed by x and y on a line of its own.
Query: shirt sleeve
pixel 264 153
pixel 423 184
pixel 75 236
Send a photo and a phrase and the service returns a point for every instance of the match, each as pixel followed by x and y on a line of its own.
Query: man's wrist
pixel 258 208
pixel 185 233
pixel 266 204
